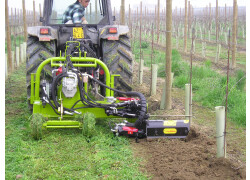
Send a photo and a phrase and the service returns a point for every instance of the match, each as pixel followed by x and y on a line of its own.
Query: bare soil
pixel 194 157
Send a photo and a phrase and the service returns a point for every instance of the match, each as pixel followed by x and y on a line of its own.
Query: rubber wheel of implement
pixel 37 52
pixel 117 56
pixel 36 125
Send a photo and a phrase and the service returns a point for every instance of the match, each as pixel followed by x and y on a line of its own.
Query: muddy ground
pixel 194 157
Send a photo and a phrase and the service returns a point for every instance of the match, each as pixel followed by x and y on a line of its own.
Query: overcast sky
pixel 135 3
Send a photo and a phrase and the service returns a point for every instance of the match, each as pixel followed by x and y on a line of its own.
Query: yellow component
pixel 170 131
pixel 169 123
pixel 186 121
pixel 102 31
pixel 78 33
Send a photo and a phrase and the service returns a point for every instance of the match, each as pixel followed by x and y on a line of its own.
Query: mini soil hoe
pixel 93 70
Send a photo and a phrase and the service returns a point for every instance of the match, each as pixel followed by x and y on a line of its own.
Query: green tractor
pixel 77 68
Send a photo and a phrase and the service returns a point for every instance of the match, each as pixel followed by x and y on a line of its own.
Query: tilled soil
pixel 191 158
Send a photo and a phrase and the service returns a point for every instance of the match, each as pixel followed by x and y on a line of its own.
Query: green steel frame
pixel 67 121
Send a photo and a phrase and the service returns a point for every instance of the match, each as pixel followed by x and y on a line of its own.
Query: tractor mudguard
pixel 35 31
pixel 104 32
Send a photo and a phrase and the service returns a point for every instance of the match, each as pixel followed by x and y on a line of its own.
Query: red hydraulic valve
pixel 130 130
pixel 126 99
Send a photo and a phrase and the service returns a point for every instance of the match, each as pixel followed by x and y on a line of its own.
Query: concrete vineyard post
pixel 201 33
pixel 243 32
pixel 13 60
pixel 194 46
pixel 220 130
pixel 218 53
pixel 177 42
pixel 141 71
pixel 24 51
pixel 17 57
pixel 203 49
pixel 188 102
pixel 154 79
pixel 225 34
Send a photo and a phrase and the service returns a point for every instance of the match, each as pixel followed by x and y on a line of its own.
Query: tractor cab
pixel 96 13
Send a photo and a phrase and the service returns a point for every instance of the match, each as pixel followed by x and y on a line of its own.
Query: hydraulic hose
pixel 143 111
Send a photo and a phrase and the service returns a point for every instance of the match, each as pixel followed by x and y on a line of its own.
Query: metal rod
pixel 227 91
pixel 170 115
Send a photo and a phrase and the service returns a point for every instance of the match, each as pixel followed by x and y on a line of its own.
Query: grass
pixel 209 87
pixel 61 154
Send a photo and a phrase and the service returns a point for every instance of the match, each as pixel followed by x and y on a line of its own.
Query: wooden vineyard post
pixel 225 14
pixel 168 100
pixel 234 34
pixel 189 19
pixel 217 24
pixel 6 66
pixel 185 29
pixel 96 11
pixel 40 13
pixel 129 18
pixel 24 22
pixel 34 13
pixel 15 37
pixel 122 12
pixel 209 17
pixel 141 61
pixel 152 53
pixel 158 21
pixel 7 26
pixel 90 11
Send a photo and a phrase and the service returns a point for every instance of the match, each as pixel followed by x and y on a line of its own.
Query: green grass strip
pixel 209 87
pixel 62 153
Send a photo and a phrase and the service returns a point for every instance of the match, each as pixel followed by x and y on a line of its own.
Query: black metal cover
pixel 167 128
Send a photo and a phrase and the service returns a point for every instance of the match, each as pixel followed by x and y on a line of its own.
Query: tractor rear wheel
pixel 37 52
pixel 117 56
